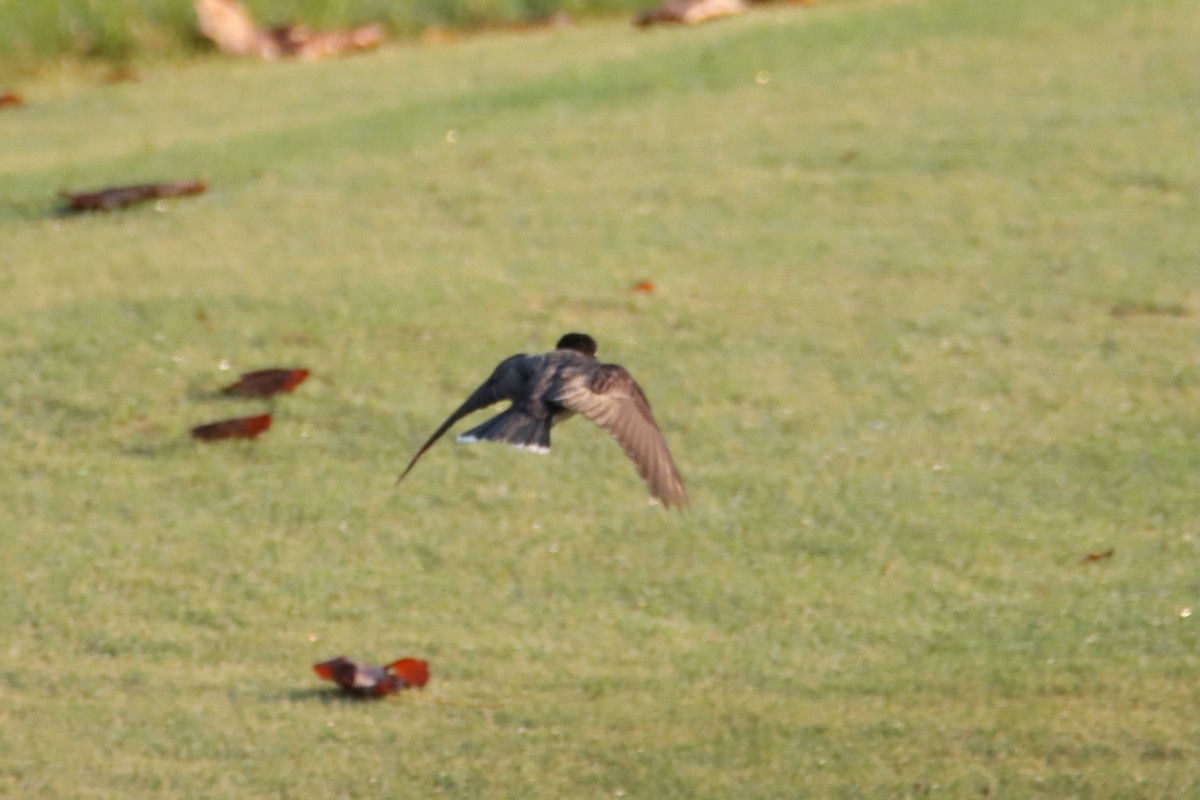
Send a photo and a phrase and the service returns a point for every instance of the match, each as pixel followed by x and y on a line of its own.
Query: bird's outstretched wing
pixel 612 399
pixel 493 390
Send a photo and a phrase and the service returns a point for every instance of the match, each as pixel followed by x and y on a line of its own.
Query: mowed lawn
pixel 923 336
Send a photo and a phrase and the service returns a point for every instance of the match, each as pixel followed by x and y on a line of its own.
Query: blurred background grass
pixel 118 30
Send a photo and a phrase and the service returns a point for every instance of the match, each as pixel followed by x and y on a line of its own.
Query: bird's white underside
pixel 532 448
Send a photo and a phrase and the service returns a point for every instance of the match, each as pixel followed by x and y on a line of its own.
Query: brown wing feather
pixel 612 399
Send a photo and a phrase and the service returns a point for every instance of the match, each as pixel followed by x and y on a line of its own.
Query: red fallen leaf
pixel 237 428
pixel 371 681
pixel 267 382
pixel 1092 558
pixel 121 196
pixel 645 287
pixel 11 100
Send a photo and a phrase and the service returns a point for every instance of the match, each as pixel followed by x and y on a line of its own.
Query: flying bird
pixel 367 680
pixel 548 388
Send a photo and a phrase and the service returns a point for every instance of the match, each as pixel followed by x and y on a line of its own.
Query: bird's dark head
pixel 580 342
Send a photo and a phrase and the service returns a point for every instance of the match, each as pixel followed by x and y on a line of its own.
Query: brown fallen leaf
pixel 644 287
pixel 229 25
pixel 1092 558
pixel 116 197
pixel 370 681
pixel 1132 308
pixel 266 382
pixel 237 428
pixel 11 100
pixel 298 41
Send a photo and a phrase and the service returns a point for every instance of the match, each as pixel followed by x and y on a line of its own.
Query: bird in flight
pixel 548 388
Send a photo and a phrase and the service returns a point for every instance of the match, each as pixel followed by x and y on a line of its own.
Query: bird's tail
pixel 515 428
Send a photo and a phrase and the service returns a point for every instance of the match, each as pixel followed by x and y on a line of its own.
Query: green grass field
pixel 924 336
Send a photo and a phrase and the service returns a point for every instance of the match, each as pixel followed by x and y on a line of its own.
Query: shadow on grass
pixel 206 393
pixel 30 210
pixel 153 449
pixel 325 696
pixel 160 446
pixel 59 209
